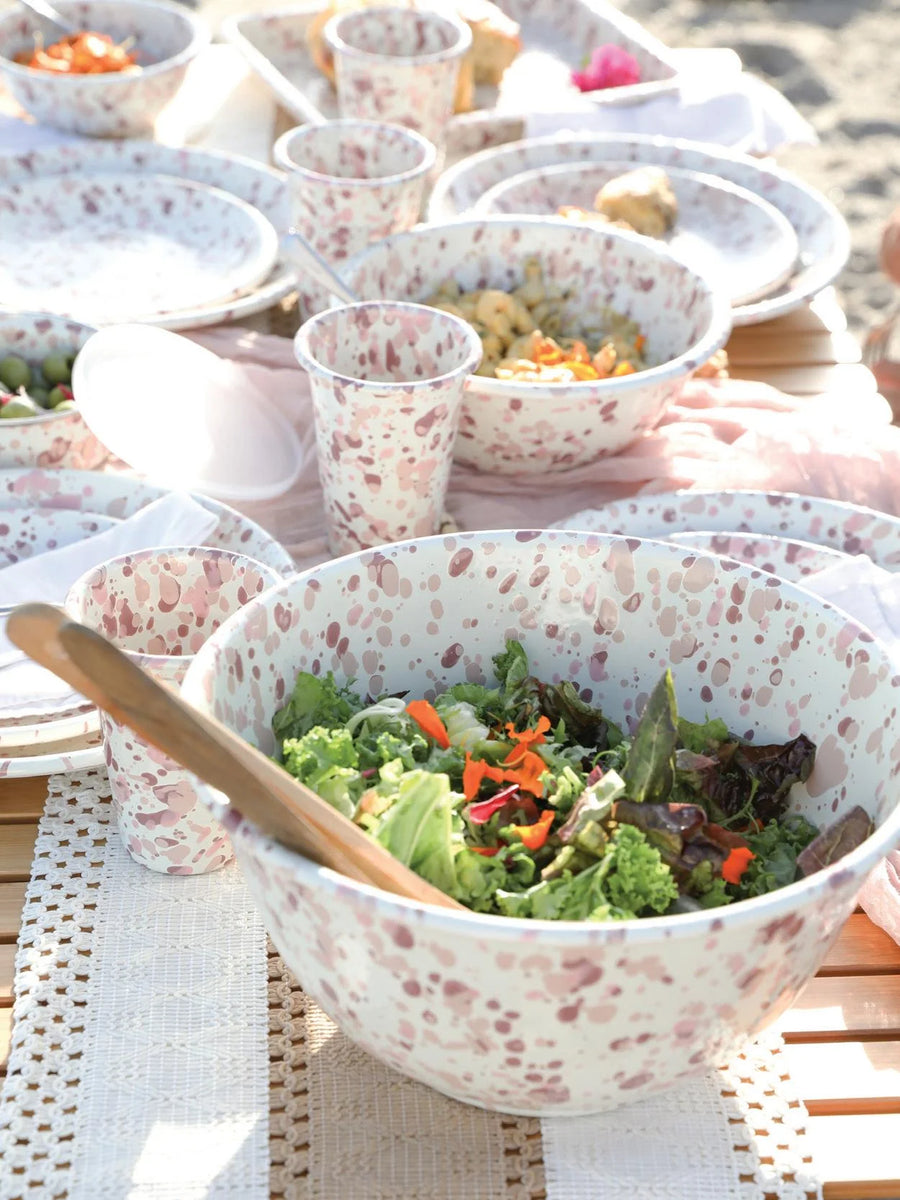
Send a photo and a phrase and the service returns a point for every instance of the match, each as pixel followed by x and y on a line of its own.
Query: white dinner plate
pixel 107 248
pixel 742 244
pixel 822 232
pixel 788 558
pixel 261 186
pixel 849 528
pixel 27 532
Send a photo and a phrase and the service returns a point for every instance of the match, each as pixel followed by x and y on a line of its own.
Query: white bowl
pixel 562 1017
pixel 50 439
pixel 508 426
pixel 115 104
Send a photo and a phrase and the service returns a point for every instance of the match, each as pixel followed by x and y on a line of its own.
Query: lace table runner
pixel 139 1071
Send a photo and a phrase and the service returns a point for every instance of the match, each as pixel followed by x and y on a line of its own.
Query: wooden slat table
pixel 843 1035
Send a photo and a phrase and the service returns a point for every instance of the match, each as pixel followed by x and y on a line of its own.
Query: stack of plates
pixel 44 725
pixel 135 231
pixel 788 535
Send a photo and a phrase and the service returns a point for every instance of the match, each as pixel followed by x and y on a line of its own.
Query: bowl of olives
pixel 40 425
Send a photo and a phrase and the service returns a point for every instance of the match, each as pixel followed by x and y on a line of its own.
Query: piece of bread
pixel 495 43
pixel 644 198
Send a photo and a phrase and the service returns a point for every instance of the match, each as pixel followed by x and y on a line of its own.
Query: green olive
pixel 20 406
pixel 59 394
pixel 56 369
pixel 15 372
pixel 39 395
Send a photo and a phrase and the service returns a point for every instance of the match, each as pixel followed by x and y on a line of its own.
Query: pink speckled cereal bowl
pixel 159 606
pixel 167 37
pixel 555 1018
pixel 50 439
pixel 511 426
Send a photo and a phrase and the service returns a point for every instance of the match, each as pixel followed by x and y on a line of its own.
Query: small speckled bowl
pixel 509 427
pixel 116 104
pixel 50 439
pixel 540 1017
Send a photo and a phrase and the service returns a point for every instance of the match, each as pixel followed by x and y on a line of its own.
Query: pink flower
pixel 610 66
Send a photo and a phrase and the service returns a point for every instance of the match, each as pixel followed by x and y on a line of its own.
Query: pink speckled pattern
pixel 160 606
pixel 399 65
pixel 785 557
pixel 387 382
pixel 50 439
pixel 849 528
pixel 510 427
pixel 114 248
pixel 259 185
pixel 573 1017
pixel 822 232
pixel 119 104
pixel 28 532
pixel 352 183
pixel 738 240
pixel 116 495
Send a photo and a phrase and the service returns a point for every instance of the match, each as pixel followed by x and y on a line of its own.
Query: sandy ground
pixel 838 61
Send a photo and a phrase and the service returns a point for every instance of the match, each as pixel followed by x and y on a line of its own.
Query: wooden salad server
pixel 264 792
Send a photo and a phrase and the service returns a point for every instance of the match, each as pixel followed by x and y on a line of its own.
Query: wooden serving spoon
pixel 282 807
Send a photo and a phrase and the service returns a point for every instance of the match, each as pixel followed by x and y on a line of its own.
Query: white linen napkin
pixel 176 519
pixel 716 103
pixel 872 596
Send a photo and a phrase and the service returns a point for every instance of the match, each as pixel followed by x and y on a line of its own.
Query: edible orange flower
pixel 487 851
pixel 534 836
pixel 736 864
pixel 428 719
pixel 525 774
pixel 528 737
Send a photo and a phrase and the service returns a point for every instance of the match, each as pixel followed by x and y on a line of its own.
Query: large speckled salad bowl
pixel 511 426
pixel 562 1017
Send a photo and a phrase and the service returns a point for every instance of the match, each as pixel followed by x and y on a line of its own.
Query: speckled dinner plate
pixel 737 240
pixel 116 247
pixel 831 523
pixel 788 558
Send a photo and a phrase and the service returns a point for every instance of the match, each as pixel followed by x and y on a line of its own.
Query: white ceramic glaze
pixel 28 532
pixel 739 241
pixel 788 558
pixel 351 183
pixel 387 382
pixel 508 426
pixel 116 105
pixel 253 182
pixel 822 232
pixel 560 1018
pixel 849 528
pixel 112 248
pixel 159 606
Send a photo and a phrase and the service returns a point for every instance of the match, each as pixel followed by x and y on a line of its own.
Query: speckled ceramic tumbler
pixel 387 382
pixel 159 606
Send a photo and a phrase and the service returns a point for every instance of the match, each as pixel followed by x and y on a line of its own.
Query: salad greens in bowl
pixel 656 779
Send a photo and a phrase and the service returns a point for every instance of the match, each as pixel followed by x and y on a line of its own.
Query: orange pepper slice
pixel 428 719
pixel 624 368
pixel 581 370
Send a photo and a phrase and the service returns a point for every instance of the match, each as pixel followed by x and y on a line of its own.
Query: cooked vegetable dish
pixel 522 337
pixel 524 800
pixel 85 53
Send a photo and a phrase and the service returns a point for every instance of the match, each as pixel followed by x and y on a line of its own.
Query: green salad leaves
pixel 524 800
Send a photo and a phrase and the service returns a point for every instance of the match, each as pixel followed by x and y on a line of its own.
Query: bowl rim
pixel 199 30
pixel 469 346
pixel 337 44
pixel 717 331
pixel 537 931
pixel 427 150
pixel 13 318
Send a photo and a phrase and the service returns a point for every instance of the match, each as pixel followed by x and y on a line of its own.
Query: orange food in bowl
pixel 85 53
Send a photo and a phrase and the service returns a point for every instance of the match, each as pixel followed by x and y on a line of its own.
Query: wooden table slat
pixel 842 1077
pixel 862 949
pixel 870 1143
pixel 747 349
pixel 7 973
pixel 22 800
pixel 12 900
pixel 840 1007
pixel 16 850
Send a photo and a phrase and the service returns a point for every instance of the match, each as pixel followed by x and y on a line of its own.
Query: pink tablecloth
pixel 721 434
